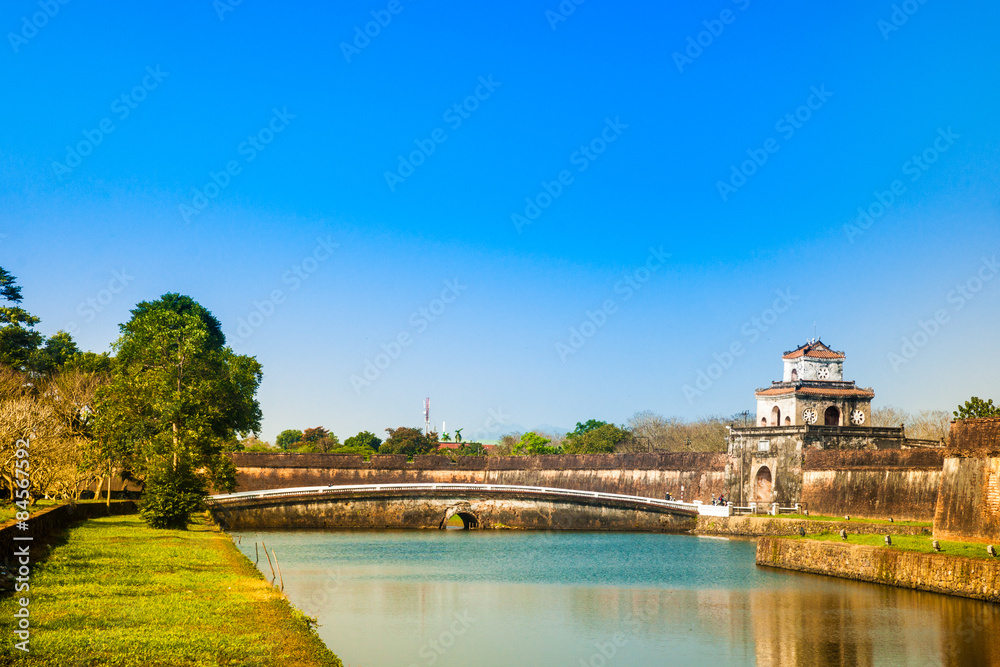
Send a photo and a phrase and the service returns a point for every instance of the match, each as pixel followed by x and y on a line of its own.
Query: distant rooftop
pixel 815 349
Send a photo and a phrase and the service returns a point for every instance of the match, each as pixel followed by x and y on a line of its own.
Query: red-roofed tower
pixel 813 391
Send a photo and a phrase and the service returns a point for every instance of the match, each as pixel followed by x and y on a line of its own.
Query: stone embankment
pixel 977 578
pixel 45 523
pixel 759 526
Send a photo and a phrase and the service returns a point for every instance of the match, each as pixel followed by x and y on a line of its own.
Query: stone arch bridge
pixel 480 506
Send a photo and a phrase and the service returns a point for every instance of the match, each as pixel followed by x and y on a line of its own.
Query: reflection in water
pixel 460 598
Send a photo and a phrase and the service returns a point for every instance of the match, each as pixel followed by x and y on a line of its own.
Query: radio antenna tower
pixel 427 416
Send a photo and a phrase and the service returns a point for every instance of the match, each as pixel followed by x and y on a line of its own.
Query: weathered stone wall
pixel 975 437
pixel 757 526
pixel 780 453
pixel 652 475
pixel 897 483
pixel 967 577
pixel 432 512
pixel 43 524
pixel 781 457
pixel 968 504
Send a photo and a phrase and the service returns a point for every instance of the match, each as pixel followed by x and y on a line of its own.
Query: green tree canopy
pixel 176 396
pixel 585 427
pixel 18 338
pixel 601 440
pixel 364 439
pixel 317 440
pixel 58 351
pixel 977 408
pixel 90 362
pixel 409 441
pixel 287 438
pixel 533 444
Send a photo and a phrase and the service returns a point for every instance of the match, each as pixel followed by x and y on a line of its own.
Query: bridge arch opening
pixel 469 519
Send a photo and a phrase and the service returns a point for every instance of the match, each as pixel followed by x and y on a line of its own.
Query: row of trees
pixel 922 425
pixel 402 440
pixel 160 411
pixel 644 431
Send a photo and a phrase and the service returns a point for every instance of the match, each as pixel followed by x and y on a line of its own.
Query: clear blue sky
pixel 330 121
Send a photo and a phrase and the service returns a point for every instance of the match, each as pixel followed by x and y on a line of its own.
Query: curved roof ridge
pixel 814 348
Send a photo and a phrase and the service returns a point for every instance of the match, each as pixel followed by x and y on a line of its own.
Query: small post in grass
pixel 269 561
pixel 279 568
pixel 256 552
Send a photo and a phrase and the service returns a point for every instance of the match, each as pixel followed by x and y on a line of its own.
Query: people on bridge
pixel 668 496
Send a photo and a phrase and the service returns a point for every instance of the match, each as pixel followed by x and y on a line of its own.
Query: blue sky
pixel 833 101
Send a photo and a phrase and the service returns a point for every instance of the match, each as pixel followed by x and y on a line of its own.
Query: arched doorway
pixel 775 416
pixel 795 375
pixel 763 485
pixel 788 421
pixel 832 416
pixel 763 421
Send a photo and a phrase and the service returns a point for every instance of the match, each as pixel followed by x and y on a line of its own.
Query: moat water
pixel 484 599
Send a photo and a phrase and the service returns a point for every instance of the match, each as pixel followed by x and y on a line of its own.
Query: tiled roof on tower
pixel 814 349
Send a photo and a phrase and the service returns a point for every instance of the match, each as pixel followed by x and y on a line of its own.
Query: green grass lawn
pixel 921 543
pixel 119 593
pixel 819 517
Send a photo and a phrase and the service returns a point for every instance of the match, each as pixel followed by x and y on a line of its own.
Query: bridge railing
pixel 493 488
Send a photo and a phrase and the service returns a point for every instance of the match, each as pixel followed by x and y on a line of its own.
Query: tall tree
pixel 317 440
pixel 977 408
pixel 409 441
pixel 364 439
pixel 18 338
pixel 176 396
pixel 604 439
pixel 533 444
pixel 287 438
pixel 58 351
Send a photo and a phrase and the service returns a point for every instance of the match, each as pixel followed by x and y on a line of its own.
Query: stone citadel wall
pixel 652 475
pixel 878 484
pixel 968 504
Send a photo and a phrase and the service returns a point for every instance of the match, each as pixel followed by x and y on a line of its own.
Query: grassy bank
pixel 918 543
pixel 820 517
pixel 119 593
pixel 9 510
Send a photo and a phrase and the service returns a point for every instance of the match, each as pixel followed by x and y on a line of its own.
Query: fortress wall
pixel 902 484
pixel 968 504
pixel 653 475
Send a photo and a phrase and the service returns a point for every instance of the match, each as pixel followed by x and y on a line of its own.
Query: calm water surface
pixel 388 598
